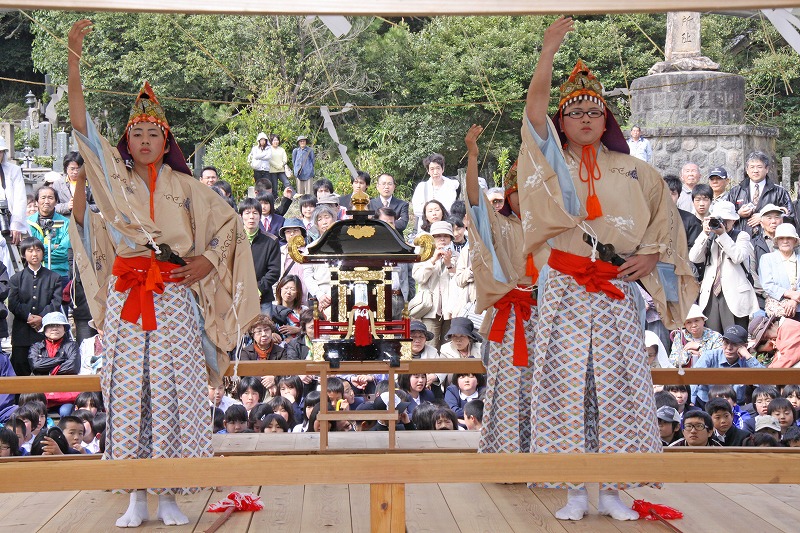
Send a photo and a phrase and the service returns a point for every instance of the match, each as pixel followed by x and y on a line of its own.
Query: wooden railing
pixel 387 474
pixel 661 376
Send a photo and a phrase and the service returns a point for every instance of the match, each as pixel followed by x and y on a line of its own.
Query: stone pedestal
pixel 697 116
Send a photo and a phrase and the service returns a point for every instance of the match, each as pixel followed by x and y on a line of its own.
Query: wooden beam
pixel 400 468
pixel 397 7
pixel 387 506
pixel 661 376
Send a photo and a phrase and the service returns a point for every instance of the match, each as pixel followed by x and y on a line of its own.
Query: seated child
pixel 30 416
pixel 17 426
pixel 784 411
pixel 724 430
pixel 422 419
pixel 792 393
pixel 465 387
pixel 218 398
pixel 728 393
pixel 682 394
pixel 762 396
pixel 98 432
pixel 473 415
pixel 90 401
pixel 291 388
pixel 669 424
pixel 764 425
pixel 9 443
pixel 256 417
pixel 282 406
pixel 416 386
pixel 217 420
pixel 73 429
pixel 235 419
pixel 791 439
pixel 275 423
pixel 310 401
pixel 444 418
pixel 250 391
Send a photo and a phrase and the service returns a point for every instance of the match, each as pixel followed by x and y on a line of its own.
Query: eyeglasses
pixel 497 201
pixel 696 427
pixel 261 331
pixel 578 113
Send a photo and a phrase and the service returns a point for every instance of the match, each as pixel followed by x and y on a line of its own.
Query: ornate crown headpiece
pixel 581 85
pixel 147 109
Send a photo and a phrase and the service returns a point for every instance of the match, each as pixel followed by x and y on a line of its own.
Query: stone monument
pixel 690 111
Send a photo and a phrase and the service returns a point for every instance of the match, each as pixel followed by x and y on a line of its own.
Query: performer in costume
pixel 505 279
pixel 592 390
pixel 152 310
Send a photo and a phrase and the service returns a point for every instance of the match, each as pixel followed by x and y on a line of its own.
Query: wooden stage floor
pixel 439 508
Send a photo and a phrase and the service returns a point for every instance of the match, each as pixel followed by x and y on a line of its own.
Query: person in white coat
pixel 12 191
pixel 779 273
pixel 434 275
pixel 727 296
pixel 260 156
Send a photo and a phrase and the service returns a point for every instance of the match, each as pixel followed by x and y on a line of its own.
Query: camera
pixel 5 219
pixel 715 223
pixel 46 224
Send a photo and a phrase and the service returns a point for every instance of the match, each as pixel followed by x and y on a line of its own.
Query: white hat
pixel 52 176
pixel 262 135
pixel 53 318
pixel 442 228
pixel 767 421
pixel 328 198
pixel 695 312
pixel 724 210
pixel 771 208
pixel 651 339
pixel 786 230
pixel 3 145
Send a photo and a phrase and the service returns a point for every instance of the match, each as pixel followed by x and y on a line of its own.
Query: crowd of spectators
pixel 742 243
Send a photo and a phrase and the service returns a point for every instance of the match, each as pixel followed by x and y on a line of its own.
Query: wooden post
pixel 323 408
pixel 392 408
pixel 387 508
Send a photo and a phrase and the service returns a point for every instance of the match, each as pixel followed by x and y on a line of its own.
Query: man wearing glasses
pixel 697 430
pixel 755 191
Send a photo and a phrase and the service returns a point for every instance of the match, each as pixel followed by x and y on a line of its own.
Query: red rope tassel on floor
pixel 655 511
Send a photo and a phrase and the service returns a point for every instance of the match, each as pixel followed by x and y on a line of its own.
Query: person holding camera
pixel 53 230
pixel 727 296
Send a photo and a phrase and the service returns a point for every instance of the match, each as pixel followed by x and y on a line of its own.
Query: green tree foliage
pixel 417 85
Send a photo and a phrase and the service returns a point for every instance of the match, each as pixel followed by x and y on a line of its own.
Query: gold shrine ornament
pixel 359 232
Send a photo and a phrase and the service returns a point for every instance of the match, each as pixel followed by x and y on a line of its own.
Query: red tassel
pixel 361 326
pixel 593 209
pixel 530 268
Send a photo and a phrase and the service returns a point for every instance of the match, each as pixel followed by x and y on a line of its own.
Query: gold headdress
pixel 582 85
pixel 510 180
pixel 147 109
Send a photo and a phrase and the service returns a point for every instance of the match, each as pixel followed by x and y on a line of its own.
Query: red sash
pixel 595 276
pixel 143 276
pixel 521 301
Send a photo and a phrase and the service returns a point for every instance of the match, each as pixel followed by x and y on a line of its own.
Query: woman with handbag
pixel 779 271
pixel 278 164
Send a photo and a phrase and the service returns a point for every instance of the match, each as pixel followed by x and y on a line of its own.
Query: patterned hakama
pixel 506 424
pixel 155 389
pixel 589 342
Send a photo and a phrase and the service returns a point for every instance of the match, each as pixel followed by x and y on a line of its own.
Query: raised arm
pixel 539 89
pixel 473 188
pixel 77 104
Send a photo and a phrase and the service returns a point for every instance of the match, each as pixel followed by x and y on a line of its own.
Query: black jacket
pixel 772 194
pixel 32 295
pixel 4 290
pixel 735 436
pixel 296 348
pixel 267 261
pixel 249 353
pixel 399 206
pixel 67 358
